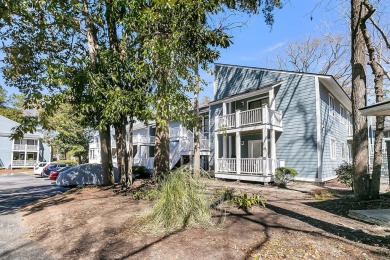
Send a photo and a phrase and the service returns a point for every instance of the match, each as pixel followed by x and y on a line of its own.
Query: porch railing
pixel 26 147
pixel 204 144
pixel 227 165
pixel 263 115
pixel 250 166
pixel 24 162
pixel 252 116
pixel 227 121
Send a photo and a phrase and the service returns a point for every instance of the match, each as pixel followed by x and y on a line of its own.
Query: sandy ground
pixel 92 223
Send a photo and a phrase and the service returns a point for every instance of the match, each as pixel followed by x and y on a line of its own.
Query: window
pixel 331 105
pixel 343 151
pixel 342 114
pixel 332 148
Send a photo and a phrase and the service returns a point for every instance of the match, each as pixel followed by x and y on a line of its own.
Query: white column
pixel 230 147
pixel 273 150
pixel 216 152
pixel 238 123
pixel 238 152
pixel 224 109
pixel 224 144
pixel 271 111
pixel 265 148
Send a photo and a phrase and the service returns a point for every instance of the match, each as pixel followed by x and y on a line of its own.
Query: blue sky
pixel 255 44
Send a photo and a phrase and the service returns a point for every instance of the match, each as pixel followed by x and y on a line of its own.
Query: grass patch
pixel 321 194
pixel 181 202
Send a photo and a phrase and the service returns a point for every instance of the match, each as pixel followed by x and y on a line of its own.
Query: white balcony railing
pixel 252 116
pixel 350 130
pixel 24 162
pixel 248 166
pixel 262 115
pixel 227 121
pixel 226 165
pixel 174 132
pixel 204 144
pixel 26 147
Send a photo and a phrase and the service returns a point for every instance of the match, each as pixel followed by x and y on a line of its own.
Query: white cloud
pixel 275 46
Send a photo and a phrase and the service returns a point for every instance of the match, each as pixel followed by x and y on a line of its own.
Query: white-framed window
pixel 332 148
pixel 331 105
pixel 343 151
pixel 342 119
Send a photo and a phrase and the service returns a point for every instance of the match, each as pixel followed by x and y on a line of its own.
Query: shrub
pixel 321 194
pixel 181 203
pixel 225 194
pixel 245 202
pixel 141 172
pixel 68 162
pixel 284 175
pixel 151 194
pixel 345 174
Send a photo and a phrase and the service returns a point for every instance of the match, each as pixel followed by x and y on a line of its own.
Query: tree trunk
pixel 360 137
pixel 79 157
pixel 378 80
pixel 197 127
pixel 105 153
pixel 127 180
pixel 120 140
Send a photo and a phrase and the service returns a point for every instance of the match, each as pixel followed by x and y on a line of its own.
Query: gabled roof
pixel 7 124
pixel 330 82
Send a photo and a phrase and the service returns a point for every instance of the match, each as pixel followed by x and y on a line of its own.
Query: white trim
pixel 318 124
pixel 335 148
pixel 343 147
pixel 245 95
pixel 331 110
pixel 342 119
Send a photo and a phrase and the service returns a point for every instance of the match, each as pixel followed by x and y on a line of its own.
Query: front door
pixel 255 148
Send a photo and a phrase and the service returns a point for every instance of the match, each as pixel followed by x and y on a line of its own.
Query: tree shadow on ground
pixel 12 200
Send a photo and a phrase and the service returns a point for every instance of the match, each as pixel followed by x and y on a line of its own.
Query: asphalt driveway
pixel 16 191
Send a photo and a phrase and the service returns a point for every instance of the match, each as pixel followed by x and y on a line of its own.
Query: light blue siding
pixel 332 128
pixel 5 151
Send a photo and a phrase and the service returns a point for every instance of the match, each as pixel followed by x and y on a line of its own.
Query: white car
pixel 83 174
pixel 38 168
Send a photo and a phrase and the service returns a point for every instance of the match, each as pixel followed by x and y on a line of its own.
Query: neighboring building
pixel 181 144
pixel 23 153
pixel 261 119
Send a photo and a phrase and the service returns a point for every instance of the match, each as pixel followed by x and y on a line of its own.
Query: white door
pixel 255 148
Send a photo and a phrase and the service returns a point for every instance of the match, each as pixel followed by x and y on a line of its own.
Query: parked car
pixel 52 167
pixel 83 174
pixel 53 174
pixel 38 168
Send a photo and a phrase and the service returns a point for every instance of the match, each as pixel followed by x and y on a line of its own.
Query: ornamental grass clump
pixel 181 203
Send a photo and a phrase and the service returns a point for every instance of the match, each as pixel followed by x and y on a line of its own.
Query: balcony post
pixel 238 152
pixel 216 150
pixel 238 118
pixel 25 156
pixel 273 150
pixel 224 145
pixel 216 123
pixel 265 148
pixel 265 114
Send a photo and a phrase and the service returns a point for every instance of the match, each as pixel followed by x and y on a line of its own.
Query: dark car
pixel 52 167
pixel 54 174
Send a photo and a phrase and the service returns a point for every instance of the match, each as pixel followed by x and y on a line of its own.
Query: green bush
pixel 141 172
pixel 284 175
pixel 345 174
pixel 67 162
pixel 245 202
pixel 151 194
pixel 181 203
pixel 225 194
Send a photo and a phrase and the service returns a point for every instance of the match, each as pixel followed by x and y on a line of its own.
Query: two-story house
pixel 262 119
pixel 22 153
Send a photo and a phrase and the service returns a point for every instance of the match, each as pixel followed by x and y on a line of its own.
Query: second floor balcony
pixel 25 147
pixel 258 116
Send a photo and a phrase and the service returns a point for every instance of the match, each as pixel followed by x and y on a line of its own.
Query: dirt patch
pixel 92 223
pixel 8 171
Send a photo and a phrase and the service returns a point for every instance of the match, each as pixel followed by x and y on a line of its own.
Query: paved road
pixel 17 190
